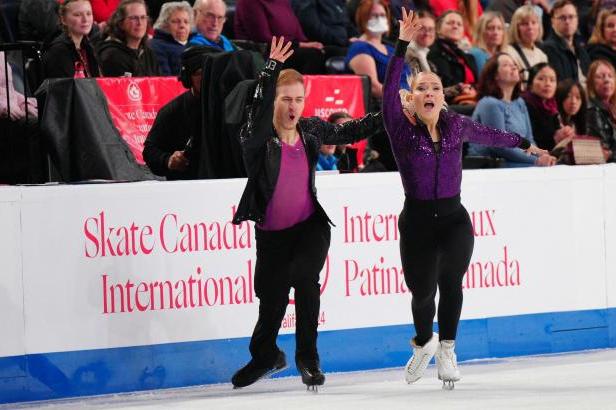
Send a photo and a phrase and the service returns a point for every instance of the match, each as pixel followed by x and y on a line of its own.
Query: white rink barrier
pixel 120 287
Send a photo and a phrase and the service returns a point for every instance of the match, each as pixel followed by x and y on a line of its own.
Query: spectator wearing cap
pixel 170 149
pixel 171 34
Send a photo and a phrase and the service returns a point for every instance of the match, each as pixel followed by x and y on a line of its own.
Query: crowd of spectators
pixel 541 68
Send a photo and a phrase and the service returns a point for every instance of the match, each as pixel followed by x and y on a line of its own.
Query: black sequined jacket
pixel 261 147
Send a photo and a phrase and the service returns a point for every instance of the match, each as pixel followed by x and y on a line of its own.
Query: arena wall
pixel 110 288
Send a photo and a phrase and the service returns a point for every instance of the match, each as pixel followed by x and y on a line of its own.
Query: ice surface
pixel 584 380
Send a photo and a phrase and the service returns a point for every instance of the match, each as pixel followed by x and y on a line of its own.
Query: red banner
pixel 327 94
pixel 134 103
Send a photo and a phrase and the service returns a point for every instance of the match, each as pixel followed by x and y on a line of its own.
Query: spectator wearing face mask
pixel 369 55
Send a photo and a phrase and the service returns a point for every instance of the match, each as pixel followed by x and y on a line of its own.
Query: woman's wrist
pixel 401 46
pixel 524 143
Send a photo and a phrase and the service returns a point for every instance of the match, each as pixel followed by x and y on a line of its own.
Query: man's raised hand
pixel 280 51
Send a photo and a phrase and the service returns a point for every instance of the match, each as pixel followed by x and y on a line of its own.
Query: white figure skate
pixel 416 366
pixel 447 364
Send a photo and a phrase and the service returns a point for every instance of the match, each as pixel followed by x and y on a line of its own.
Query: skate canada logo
pixel 198 285
pixel 134 92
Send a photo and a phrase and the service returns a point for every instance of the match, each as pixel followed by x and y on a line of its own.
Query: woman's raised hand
pixel 280 51
pixel 409 25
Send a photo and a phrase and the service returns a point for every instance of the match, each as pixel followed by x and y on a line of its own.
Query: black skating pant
pixel 436 244
pixel 291 257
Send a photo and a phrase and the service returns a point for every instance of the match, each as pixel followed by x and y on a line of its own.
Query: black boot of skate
pixel 312 376
pixel 252 372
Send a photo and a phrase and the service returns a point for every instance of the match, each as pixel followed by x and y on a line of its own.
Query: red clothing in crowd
pixel 259 20
pixel 441 6
pixel 103 9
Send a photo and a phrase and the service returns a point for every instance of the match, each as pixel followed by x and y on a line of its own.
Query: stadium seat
pixel 335 65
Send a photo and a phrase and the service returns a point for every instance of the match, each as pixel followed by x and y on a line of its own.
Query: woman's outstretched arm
pixel 393 116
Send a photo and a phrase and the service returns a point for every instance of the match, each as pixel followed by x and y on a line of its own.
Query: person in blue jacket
pixel 501 107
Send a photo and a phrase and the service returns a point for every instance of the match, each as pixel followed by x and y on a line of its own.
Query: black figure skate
pixel 312 376
pixel 252 372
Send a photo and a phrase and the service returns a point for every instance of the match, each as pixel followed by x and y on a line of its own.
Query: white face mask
pixel 378 25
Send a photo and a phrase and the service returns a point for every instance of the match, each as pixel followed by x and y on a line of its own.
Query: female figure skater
pixel 280 151
pixel 436 236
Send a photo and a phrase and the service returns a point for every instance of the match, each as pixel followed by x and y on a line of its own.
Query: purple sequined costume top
pixel 426 174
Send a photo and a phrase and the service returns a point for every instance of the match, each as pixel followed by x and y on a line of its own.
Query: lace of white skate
pixel 447 364
pixel 449 358
pixel 418 364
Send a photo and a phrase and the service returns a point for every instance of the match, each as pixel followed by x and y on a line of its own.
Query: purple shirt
pixel 426 174
pixel 291 202
pixel 259 20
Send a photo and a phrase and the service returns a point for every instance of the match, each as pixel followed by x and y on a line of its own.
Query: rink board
pixel 84 319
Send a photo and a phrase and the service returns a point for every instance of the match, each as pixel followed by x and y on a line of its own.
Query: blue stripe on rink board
pixel 102 371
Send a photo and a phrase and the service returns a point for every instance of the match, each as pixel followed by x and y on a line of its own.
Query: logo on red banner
pixel 133 105
pixel 327 94
pixel 134 92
